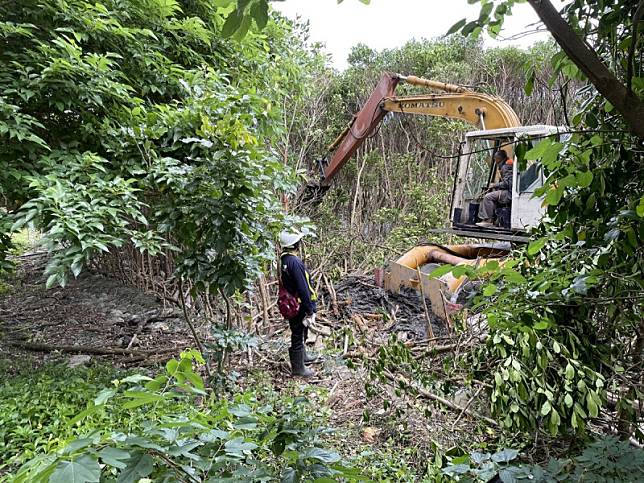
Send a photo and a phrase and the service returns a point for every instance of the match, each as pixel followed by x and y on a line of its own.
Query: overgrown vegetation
pixel 153 139
pixel 166 427
pixel 567 333
pixel 135 125
pixel 35 408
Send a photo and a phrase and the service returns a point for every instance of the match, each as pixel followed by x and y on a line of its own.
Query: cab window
pixel 478 168
pixel 531 177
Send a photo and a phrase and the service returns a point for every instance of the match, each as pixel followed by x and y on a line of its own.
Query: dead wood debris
pixel 93 314
pixel 357 298
pixel 83 349
pixel 447 403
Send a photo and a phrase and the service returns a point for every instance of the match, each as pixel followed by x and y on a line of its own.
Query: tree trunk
pixel 625 102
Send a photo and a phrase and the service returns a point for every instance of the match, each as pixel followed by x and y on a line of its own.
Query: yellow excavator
pixel 498 127
pixel 454 102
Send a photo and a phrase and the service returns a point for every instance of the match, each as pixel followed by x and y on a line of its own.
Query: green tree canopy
pixel 135 122
pixel 567 330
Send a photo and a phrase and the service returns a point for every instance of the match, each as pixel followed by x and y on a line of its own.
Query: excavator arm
pixel 455 102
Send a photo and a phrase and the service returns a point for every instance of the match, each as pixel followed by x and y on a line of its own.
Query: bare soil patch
pixel 92 311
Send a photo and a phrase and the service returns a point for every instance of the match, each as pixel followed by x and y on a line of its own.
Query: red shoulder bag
pixel 287 303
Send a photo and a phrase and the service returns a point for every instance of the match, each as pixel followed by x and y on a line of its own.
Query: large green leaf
pixel 456 27
pixel 232 23
pixel 321 455
pixel 114 457
pixel 259 11
pixel 139 466
pixel 84 469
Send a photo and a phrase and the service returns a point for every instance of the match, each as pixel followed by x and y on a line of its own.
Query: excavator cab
pixel 476 171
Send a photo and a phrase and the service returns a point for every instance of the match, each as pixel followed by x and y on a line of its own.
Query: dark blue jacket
pixel 506 177
pixel 297 281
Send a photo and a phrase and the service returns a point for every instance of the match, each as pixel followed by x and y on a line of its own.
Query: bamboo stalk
pixel 263 292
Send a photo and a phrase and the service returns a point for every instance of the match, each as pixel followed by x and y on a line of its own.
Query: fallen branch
pixel 270 318
pixel 434 349
pixel 414 349
pixel 360 323
pixel 429 329
pixel 460 415
pixel 320 329
pixel 145 318
pixel 132 341
pixel 81 349
pixel 423 343
pixel 442 400
pixel 334 298
pixel 359 355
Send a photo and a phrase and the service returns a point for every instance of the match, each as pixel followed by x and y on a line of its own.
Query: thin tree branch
pixel 182 298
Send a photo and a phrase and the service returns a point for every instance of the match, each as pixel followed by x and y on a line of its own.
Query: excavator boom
pixel 456 102
pixel 361 126
pixel 482 110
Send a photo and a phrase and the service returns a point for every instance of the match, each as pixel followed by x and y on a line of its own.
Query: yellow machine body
pixel 407 271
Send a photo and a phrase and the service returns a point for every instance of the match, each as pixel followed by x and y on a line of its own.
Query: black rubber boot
pixel 297 364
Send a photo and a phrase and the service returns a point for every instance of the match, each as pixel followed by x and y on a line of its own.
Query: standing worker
pixel 297 281
pixel 497 193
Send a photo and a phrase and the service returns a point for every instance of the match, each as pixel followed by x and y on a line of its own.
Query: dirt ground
pixel 95 313
pixel 92 312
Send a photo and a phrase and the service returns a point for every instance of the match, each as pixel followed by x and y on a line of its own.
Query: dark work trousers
pixel 298 332
pixel 490 202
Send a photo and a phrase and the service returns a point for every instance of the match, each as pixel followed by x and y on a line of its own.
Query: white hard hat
pixel 288 239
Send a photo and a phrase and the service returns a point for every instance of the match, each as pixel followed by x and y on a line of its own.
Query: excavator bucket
pixel 413 268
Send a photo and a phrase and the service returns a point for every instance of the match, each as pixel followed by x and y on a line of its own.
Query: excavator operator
pixel 497 194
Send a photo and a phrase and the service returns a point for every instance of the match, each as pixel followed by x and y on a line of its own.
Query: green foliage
pixel 483 466
pixel 242 13
pixel 225 341
pixel 386 464
pixel 567 320
pixel 36 405
pixel 188 434
pixel 491 17
pixel 549 323
pixel 6 242
pixel 605 460
pixel 133 123
pixel 525 393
